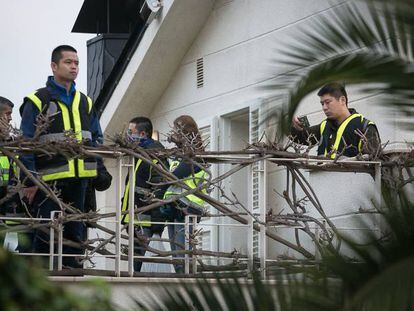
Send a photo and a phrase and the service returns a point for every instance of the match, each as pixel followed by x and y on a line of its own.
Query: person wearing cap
pixel 344 132
pixel 67 110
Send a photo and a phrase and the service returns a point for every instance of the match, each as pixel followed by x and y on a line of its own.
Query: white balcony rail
pixel 56 227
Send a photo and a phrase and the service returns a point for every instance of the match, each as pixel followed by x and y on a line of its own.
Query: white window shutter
pixel 258 173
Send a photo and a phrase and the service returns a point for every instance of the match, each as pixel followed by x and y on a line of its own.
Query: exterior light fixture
pixel 150 9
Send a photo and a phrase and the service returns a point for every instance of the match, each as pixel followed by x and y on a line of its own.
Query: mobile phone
pixel 304 121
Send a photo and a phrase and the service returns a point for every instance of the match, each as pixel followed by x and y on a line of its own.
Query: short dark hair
pixel 334 89
pixel 5 102
pixel 57 52
pixel 143 124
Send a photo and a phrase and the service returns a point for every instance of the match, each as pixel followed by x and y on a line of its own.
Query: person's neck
pixel 343 117
pixel 66 84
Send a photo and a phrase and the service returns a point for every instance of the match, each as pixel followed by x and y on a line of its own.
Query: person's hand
pixel 297 124
pixel 29 193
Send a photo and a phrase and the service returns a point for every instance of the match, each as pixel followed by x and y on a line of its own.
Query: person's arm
pixel 306 136
pixel 372 142
pixel 28 128
pixel 183 170
pixel 103 179
pixel 96 131
pixel 142 175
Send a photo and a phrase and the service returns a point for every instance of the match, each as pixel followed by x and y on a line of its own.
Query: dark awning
pixel 108 16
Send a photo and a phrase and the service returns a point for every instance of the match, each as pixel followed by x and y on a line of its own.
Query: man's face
pixel 134 134
pixel 332 107
pixel 67 68
pixel 132 129
pixel 6 114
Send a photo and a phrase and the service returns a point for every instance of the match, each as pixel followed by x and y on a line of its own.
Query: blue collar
pixel 59 92
pixel 144 142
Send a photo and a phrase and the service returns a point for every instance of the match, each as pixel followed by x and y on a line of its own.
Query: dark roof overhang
pixel 108 16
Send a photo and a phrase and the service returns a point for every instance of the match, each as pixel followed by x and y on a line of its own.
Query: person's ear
pixel 342 100
pixel 54 66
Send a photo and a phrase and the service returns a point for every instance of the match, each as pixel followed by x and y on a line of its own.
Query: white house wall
pixel 238 44
pixel 239 47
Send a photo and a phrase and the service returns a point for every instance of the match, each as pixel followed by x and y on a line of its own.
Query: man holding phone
pixel 344 132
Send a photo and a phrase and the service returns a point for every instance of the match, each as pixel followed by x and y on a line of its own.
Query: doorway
pixel 234 136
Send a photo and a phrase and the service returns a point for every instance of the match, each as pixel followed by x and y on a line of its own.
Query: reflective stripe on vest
pixel 142 220
pixel 339 134
pixel 62 136
pixel 4 179
pixel 68 170
pixel 4 171
pixel 192 182
pixel 323 125
pixel 83 170
pixel 36 100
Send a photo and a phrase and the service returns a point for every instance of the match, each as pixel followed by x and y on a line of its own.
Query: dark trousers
pixel 176 233
pixel 71 191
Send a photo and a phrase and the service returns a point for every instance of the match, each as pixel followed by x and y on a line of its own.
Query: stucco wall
pixel 239 45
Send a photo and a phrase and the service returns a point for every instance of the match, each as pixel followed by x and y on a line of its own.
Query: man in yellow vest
pixel 6 108
pixel 344 132
pixel 10 204
pixel 68 111
pixel 146 177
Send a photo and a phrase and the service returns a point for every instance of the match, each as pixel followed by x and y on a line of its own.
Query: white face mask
pixel 134 137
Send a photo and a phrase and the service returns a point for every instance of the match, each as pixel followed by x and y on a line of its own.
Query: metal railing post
pixel 194 258
pixel 378 184
pixel 262 217
pixel 55 220
pixel 131 213
pixel 378 196
pixel 118 220
pixel 187 244
pixel 317 236
pixel 250 223
pixel 60 240
pixel 51 241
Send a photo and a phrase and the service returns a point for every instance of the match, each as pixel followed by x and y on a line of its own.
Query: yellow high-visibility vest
pixel 339 134
pixel 143 220
pixel 5 177
pixel 66 120
pixel 192 182
pixel 4 171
